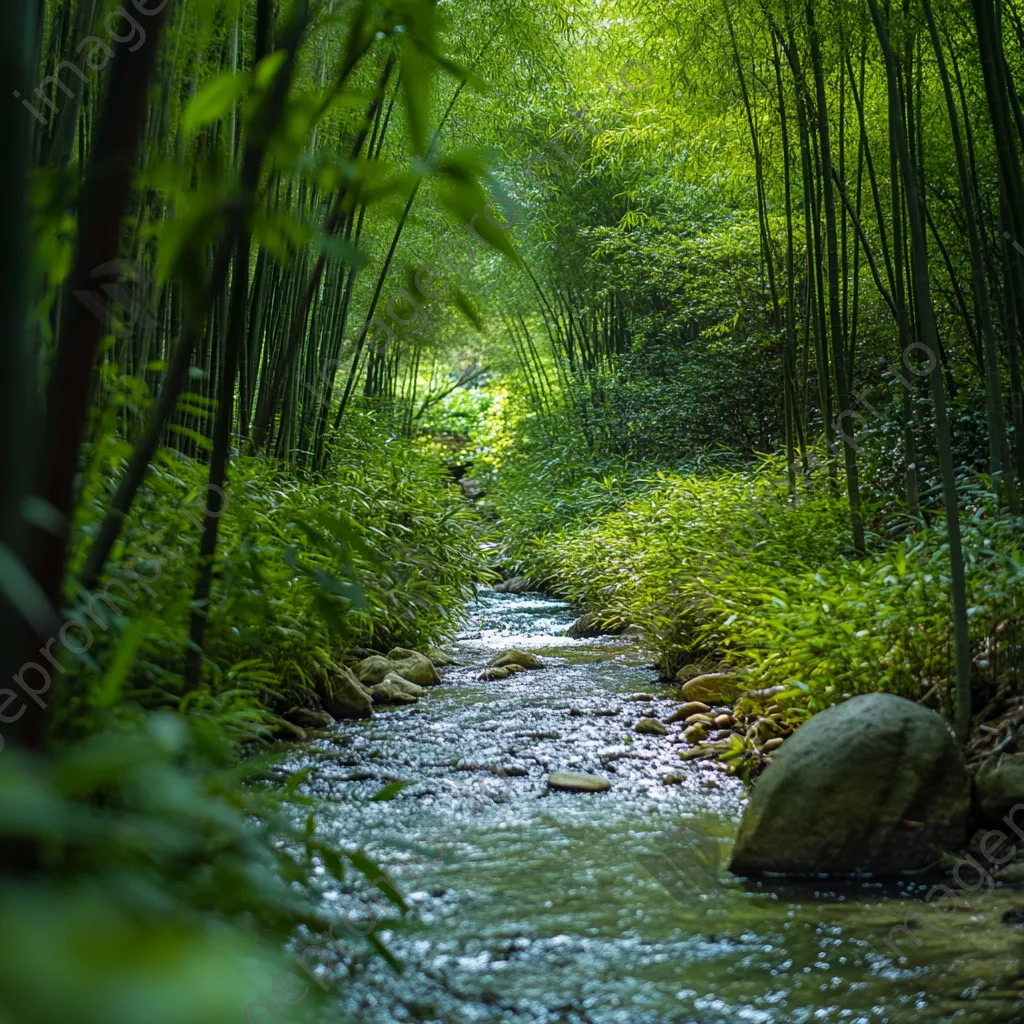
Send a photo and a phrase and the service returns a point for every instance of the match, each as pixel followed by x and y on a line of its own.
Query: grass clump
pixel 728 567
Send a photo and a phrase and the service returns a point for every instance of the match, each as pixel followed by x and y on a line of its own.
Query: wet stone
pixel 681 713
pixel 490 674
pixel 522 659
pixel 578 782
pixel 650 727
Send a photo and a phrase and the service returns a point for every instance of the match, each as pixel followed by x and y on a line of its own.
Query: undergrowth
pixel 727 568
pixel 380 553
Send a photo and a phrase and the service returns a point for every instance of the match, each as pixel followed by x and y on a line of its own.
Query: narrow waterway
pixel 610 907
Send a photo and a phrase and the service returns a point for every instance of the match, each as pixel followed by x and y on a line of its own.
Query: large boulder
pixel 874 785
pixel 371 671
pixel 415 667
pixel 999 791
pixel 595 624
pixel 346 698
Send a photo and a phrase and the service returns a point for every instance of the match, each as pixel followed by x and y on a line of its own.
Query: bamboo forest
pixel 511 510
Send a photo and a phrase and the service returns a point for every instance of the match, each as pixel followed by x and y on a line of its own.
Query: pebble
pixel 516 657
pixel 650 727
pixel 684 711
pixel 578 782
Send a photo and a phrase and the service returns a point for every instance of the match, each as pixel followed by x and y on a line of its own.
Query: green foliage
pixel 883 623
pixel 662 279
pixel 727 566
pixel 382 553
pixel 172 876
pixel 543 481
pixel 463 413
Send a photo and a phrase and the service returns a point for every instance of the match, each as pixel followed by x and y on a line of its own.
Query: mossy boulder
pixel 713 688
pixel 515 657
pixel 695 733
pixel 439 658
pixel 415 667
pixel 490 675
pixel 307 718
pixel 371 671
pixel 876 785
pixel 595 624
pixel 998 792
pixel 346 698
pixel 684 711
pixel 289 732
pixel 649 727
pixel 396 690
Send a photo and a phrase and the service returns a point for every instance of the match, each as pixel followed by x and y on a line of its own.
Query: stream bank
pixel 609 907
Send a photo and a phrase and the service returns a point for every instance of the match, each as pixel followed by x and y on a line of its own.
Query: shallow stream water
pixel 616 907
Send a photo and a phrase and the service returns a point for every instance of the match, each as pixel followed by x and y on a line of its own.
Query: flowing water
pixel 609 907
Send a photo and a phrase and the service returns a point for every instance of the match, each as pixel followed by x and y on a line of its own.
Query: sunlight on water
pixel 612 907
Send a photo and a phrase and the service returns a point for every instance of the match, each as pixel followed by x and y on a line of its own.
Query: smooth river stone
pixel 516 657
pixel 578 782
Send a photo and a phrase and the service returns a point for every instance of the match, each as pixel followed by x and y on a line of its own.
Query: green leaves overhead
pixel 216 99
pixel 464 196
pixel 415 29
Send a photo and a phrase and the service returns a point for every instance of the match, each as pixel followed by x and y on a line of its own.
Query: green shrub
pixel 728 567
pixel 885 622
pixel 670 550
pixel 160 877
pixel 382 553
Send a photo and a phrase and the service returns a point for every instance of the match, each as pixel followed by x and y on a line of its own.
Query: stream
pixel 609 907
